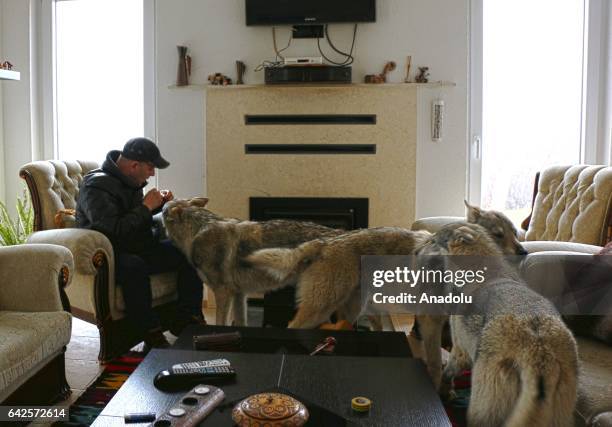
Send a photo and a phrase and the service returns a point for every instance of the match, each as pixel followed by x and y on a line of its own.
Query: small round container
pixel 361 404
pixel 270 409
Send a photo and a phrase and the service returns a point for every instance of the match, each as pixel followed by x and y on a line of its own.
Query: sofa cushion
pixel 28 339
pixel 595 381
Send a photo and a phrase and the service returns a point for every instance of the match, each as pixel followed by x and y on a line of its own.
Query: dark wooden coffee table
pixel 303 341
pixel 399 387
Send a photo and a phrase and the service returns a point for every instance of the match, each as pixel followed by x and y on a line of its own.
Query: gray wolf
pixel 431 329
pixel 216 247
pixel 499 227
pixel 327 270
pixel 524 359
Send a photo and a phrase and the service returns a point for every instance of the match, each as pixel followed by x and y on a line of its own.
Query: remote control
pixel 171 379
pixel 200 364
pixel 192 408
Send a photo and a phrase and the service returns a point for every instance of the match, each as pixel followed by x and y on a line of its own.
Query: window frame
pixel 593 148
pixel 49 74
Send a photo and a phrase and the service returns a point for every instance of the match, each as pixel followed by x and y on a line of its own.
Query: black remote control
pixel 180 379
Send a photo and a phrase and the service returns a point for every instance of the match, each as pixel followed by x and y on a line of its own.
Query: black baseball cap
pixel 144 150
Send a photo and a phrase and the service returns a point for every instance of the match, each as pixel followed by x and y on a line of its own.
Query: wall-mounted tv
pixel 294 12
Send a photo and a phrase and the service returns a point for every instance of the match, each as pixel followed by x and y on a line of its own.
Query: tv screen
pixel 291 12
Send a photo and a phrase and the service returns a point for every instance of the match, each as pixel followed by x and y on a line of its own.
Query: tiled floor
pixel 82 366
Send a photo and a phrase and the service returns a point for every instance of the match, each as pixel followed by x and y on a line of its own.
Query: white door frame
pixel 474 149
pixel 594 145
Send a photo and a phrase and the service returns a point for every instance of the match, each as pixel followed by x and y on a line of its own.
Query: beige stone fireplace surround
pixel 247 127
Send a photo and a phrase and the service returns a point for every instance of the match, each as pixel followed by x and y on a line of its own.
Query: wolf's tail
pixel 285 264
pixel 545 394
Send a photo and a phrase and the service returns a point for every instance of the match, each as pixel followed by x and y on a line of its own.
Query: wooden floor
pixel 82 366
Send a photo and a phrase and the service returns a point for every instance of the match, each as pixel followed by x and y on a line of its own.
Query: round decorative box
pixel 270 409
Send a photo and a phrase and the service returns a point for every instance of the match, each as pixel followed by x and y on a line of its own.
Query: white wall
pixel 435 33
pixel 15 41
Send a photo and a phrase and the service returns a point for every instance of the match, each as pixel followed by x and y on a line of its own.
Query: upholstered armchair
pixel 571 211
pixel 35 325
pixel 94 295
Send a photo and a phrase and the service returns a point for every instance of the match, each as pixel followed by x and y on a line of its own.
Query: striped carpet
pixel 89 405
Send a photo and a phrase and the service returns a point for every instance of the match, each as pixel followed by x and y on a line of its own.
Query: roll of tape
pixel 361 404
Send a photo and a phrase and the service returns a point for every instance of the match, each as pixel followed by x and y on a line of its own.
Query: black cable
pixel 349 56
pixel 334 47
pixel 276 50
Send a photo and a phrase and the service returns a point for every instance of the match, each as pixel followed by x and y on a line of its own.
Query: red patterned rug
pixel 89 405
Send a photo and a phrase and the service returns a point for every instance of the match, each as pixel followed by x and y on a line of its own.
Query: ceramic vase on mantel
pixel 184 67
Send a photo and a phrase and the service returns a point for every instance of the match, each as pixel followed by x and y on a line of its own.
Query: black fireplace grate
pixel 310 119
pixel 310 148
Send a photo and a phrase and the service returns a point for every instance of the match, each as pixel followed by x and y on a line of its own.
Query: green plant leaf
pixel 15 232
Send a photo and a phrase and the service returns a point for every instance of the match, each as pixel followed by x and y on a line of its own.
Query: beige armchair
pixel 94 296
pixel 35 325
pixel 571 210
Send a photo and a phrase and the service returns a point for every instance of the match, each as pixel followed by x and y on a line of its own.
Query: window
pixel 98 88
pixel 533 55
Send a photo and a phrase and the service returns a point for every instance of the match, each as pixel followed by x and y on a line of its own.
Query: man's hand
pixel 167 195
pixel 153 199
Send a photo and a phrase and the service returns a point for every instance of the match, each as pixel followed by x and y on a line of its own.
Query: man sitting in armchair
pixel 112 201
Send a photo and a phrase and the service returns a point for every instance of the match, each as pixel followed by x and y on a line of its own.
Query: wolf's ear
pixel 465 235
pixel 199 201
pixel 473 212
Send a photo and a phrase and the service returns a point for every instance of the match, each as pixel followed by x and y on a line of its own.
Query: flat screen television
pixel 296 12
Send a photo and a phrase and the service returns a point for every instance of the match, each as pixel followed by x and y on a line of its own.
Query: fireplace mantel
pixel 354 140
pixel 201 87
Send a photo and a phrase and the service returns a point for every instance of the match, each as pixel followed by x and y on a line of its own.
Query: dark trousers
pixel 133 271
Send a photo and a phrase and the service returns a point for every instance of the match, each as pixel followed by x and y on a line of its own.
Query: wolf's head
pixel 461 238
pixel 500 228
pixel 184 218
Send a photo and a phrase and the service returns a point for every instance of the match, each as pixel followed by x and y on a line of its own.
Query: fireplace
pixel 348 213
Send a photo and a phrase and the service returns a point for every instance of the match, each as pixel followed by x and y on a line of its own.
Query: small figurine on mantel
pixel 6 65
pixel 184 67
pixel 240 69
pixel 219 79
pixel 382 77
pixel 408 62
pixel 423 76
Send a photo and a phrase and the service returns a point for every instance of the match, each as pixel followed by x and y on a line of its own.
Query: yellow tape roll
pixel 361 404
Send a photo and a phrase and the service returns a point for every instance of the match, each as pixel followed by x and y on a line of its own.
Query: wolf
pixel 430 329
pixel 498 226
pixel 216 247
pixel 327 271
pixel 524 359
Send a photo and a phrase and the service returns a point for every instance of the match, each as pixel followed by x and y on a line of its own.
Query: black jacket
pixel 111 203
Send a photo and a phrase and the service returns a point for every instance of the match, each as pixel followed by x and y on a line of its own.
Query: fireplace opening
pixel 347 213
